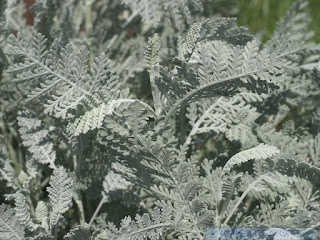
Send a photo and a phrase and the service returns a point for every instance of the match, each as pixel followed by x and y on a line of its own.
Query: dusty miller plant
pixel 149 119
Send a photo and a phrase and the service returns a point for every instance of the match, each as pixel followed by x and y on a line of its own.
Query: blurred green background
pixel 262 15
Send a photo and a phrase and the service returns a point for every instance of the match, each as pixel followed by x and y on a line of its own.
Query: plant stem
pixel 88 15
pixel 129 19
pixel 44 182
pixel 177 186
pixel 182 124
pixel 80 209
pixel 78 198
pixel 156 94
pixel 244 194
pixel 88 21
pixel 56 230
pixel 115 37
pixel 29 200
pixel 200 120
pixel 311 228
pixel 103 200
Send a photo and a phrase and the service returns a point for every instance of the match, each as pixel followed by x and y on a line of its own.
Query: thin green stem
pixel 146 229
pixel 8 226
pixel 244 194
pixel 78 198
pixel 88 16
pixel 29 200
pixel 200 120
pixel 309 229
pixel 102 201
pixel 56 229
pixel 123 27
pixel 177 187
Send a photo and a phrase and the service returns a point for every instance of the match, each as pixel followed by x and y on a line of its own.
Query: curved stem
pixel 222 82
pixel 216 83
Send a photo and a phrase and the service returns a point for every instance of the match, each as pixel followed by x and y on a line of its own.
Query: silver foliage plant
pixel 156 122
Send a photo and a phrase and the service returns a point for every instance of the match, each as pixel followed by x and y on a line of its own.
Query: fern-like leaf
pixel 10 226
pixel 41 237
pixel 95 118
pixel 22 211
pixel 292 167
pixel 147 226
pixel 297 20
pixel 36 138
pixel 260 152
pixel 152 52
pixel 60 193
pixel 62 73
pixel 232 116
pixel 8 173
pixel 42 215
pixel 79 233
pixel 149 10
pixel 258 72
pixel 187 47
pixel 92 119
pixel 114 182
pixel 153 11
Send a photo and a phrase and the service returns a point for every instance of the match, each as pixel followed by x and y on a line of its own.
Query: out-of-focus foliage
pixel 262 16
